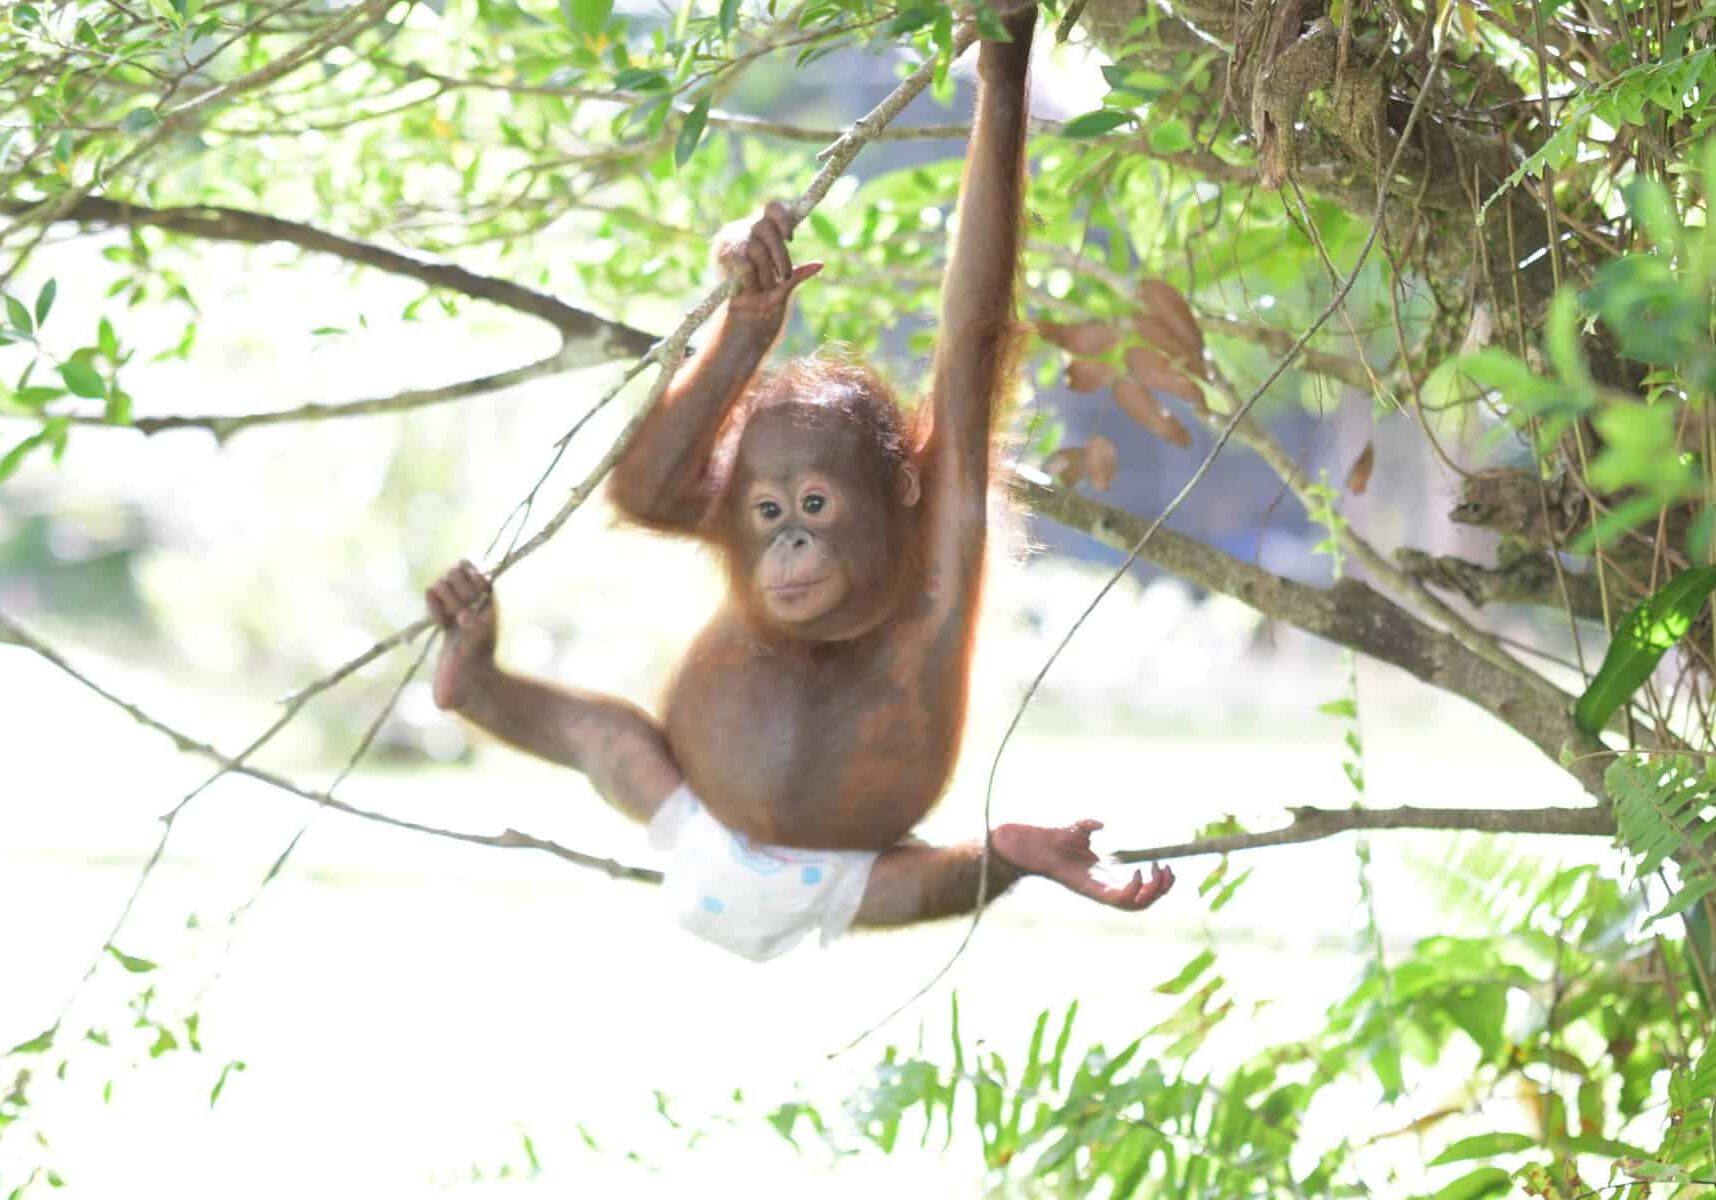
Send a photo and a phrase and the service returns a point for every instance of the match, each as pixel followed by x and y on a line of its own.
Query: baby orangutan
pixel 817 717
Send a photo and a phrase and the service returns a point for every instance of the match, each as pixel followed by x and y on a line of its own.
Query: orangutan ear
pixel 910 488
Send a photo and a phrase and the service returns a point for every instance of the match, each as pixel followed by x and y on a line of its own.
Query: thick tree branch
pixel 11 631
pixel 1312 824
pixel 1350 613
pixel 589 339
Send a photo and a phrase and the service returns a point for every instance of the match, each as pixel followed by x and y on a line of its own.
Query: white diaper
pixel 755 900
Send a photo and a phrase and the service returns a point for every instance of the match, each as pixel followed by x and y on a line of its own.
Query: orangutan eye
pixel 769 510
pixel 815 503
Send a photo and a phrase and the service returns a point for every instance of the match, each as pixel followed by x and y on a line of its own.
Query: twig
pixel 1312 824
pixel 11 631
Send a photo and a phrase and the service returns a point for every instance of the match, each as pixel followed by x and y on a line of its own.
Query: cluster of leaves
pixel 87 372
pixel 1558 1026
pixel 1657 306
pixel 100 1052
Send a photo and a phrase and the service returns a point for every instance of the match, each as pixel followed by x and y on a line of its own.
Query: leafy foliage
pixel 1661 806
pixel 1555 1021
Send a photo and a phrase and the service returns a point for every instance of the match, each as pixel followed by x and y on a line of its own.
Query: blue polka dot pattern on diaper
pixel 712 905
pixel 811 875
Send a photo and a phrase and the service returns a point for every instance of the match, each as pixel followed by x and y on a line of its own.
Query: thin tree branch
pixel 223 427
pixel 595 339
pixel 11 631
pixel 1313 824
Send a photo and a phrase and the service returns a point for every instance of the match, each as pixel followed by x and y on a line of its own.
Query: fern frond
pixel 1659 809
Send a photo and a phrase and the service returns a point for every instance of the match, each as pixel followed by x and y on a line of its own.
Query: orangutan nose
pixel 795 539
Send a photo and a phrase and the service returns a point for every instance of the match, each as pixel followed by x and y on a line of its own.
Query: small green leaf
pixel 106 339
pixel 1343 707
pixel 1644 635
pixel 83 379
pixel 640 79
pixel 36 1045
pixel 164 1042
pixel 1198 964
pixel 118 407
pixel 231 1068
pixel 588 17
pixel 1477 1185
pixel 1171 137
pixel 14 458
pixel 19 316
pixel 729 14
pixel 45 301
pixel 1093 124
pixel 136 966
pixel 691 132
pixel 137 120
pixel 37 395
pixel 1484 1145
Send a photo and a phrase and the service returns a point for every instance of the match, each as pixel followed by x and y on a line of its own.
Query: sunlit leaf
pixel 1643 636
pixel 130 962
pixel 1094 124
pixel 1484 1145
pixel 45 301
pixel 83 379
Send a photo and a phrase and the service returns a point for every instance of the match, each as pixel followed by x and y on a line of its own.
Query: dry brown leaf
pixel 1151 368
pixel 1136 402
pixel 1089 375
pixel 1097 460
pixel 1101 462
pixel 1085 338
pixel 1165 309
pixel 1358 479
pixel 1065 466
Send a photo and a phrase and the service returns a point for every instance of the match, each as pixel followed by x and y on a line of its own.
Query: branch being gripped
pixel 1353 614
pixel 1313 824
pixel 593 339
pixel 11 631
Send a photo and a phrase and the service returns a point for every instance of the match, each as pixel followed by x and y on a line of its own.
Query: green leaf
pixel 36 395
pixel 164 1042
pixel 138 119
pixel 83 379
pixel 45 301
pixel 909 21
pixel 1343 707
pixel 1171 137
pixel 136 966
pixel 19 316
pixel 729 14
pixel 36 1045
pixel 1484 1182
pixel 1198 964
pixel 1643 637
pixel 1484 1145
pixel 1093 124
pixel 14 458
pixel 588 17
pixel 106 339
pixel 231 1068
pixel 691 132
pixel 640 79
